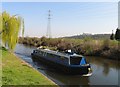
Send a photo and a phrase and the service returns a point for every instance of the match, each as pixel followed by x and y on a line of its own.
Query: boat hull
pixel 66 69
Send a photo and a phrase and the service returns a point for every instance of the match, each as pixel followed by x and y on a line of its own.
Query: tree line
pixel 116 36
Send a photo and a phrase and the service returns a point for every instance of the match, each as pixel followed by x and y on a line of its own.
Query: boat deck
pixel 59 53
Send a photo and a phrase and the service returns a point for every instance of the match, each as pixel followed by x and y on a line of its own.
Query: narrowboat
pixel 67 62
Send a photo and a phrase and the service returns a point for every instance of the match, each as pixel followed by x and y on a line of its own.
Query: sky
pixel 67 18
pixel 119 15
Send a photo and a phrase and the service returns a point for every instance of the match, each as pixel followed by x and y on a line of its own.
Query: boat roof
pixel 59 53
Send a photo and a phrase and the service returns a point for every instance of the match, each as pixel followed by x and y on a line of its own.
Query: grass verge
pixel 17 72
pixel 0 68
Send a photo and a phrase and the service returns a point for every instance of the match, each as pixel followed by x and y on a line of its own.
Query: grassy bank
pixel 87 46
pixel 16 72
pixel 0 68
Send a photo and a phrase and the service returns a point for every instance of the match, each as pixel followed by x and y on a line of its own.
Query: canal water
pixel 105 71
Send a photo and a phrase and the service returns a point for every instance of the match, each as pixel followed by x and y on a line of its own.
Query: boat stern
pixel 78 65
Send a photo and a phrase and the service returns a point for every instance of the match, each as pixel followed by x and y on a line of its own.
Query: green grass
pixel 17 72
pixel 0 68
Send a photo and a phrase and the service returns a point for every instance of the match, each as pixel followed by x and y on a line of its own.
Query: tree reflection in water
pixel 106 68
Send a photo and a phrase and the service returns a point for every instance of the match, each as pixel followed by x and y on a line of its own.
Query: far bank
pixel 88 47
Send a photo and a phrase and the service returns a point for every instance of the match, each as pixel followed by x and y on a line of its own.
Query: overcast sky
pixel 68 18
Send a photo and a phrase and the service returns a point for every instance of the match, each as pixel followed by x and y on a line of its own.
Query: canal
pixel 105 71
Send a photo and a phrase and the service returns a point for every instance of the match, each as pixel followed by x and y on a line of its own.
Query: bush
pixel 86 46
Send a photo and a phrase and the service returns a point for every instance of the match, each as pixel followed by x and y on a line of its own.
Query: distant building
pixel 86 34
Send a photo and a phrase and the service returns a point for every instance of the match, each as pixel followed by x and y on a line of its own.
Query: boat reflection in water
pixel 60 78
pixel 67 62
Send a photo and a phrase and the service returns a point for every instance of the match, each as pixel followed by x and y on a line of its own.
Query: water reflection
pixel 106 68
pixel 106 64
pixel 105 71
pixel 60 78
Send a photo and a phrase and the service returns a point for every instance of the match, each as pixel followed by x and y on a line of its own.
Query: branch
pixel 1 32
pixel 6 22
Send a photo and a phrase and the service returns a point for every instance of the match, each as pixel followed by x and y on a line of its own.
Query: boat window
pixel 39 52
pixel 45 54
pixel 75 60
pixel 34 51
pixel 50 55
pixel 62 57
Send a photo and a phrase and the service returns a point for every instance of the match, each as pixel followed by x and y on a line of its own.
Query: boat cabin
pixel 67 57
